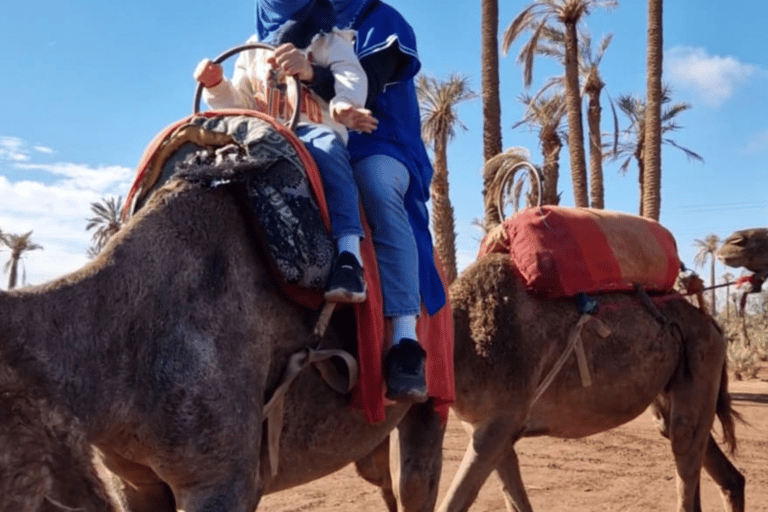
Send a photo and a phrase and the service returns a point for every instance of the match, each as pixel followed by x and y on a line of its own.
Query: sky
pixel 87 84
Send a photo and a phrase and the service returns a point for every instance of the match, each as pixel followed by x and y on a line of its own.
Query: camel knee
pixel 682 433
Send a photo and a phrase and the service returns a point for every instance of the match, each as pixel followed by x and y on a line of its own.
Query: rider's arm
pixel 237 92
pixel 350 86
pixel 380 68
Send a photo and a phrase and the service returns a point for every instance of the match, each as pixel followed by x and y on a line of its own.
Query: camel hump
pixel 560 252
pixel 285 199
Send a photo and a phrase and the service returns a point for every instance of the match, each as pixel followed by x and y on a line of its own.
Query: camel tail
pixel 726 413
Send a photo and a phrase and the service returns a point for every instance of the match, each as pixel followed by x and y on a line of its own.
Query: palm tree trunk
pixel 652 178
pixel 640 157
pixel 596 190
pixel 442 210
pixel 14 271
pixel 490 79
pixel 551 146
pixel 712 284
pixel 575 128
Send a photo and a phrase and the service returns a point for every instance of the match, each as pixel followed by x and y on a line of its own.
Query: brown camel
pixel 167 346
pixel 46 465
pixel 507 341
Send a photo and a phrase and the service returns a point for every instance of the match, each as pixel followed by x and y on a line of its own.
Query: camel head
pixel 746 248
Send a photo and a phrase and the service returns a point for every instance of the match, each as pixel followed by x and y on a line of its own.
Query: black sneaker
pixel 404 367
pixel 347 283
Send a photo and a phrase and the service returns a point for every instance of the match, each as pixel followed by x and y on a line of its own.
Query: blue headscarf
pixel 347 11
pixel 292 21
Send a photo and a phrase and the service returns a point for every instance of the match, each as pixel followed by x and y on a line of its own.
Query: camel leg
pixel 685 416
pixel 374 469
pixel 490 441
pixel 415 458
pixel 726 476
pixel 515 496
pixel 723 472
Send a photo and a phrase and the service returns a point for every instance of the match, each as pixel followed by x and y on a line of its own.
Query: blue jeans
pixel 332 159
pixel 383 182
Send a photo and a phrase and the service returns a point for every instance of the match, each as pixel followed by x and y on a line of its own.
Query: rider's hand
pixel 291 61
pixel 354 118
pixel 209 73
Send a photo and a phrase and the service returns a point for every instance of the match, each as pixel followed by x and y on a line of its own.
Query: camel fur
pixel 165 349
pixel 46 465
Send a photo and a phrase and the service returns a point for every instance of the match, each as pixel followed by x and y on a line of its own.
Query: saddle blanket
pixel 562 251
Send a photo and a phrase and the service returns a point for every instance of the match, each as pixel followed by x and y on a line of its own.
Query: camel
pixel 507 341
pixel 45 465
pixel 165 349
pixel 526 366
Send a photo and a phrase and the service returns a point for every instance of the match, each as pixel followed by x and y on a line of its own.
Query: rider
pixel 393 172
pixel 303 32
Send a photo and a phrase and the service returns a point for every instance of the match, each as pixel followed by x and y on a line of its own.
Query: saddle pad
pixel 561 251
pixel 291 226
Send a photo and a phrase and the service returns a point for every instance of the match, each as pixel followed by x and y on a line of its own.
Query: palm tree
pixel 490 79
pixel 544 114
pixel 438 101
pixel 593 87
pixel 107 221
pixel 552 44
pixel 707 250
pixel 651 198
pixel 18 244
pixel 537 17
pixel 632 143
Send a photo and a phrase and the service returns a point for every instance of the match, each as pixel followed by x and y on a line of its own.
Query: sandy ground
pixel 628 469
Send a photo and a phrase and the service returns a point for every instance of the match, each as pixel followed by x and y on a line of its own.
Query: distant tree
pixel 707 251
pixel 544 114
pixel 535 18
pixel 18 244
pixel 489 59
pixel 438 101
pixel 106 220
pixel 651 198
pixel 631 144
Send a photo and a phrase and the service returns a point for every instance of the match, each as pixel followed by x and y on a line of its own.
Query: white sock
pixel 351 244
pixel 403 327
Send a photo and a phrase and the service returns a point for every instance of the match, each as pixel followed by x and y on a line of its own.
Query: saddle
pixel 288 204
pixel 563 252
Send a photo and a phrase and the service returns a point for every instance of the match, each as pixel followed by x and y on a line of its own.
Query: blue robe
pixel 381 30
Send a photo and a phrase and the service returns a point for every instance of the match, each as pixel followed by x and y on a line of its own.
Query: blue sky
pixel 87 84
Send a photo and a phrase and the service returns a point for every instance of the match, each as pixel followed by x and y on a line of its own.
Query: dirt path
pixel 628 469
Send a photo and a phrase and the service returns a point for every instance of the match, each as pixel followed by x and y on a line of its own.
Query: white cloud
pixel 12 149
pixel 54 210
pixel 43 149
pixel 713 78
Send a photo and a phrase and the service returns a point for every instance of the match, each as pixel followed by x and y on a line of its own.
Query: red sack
pixel 560 251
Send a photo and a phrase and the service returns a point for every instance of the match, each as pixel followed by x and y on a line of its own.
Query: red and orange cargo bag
pixel 562 251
